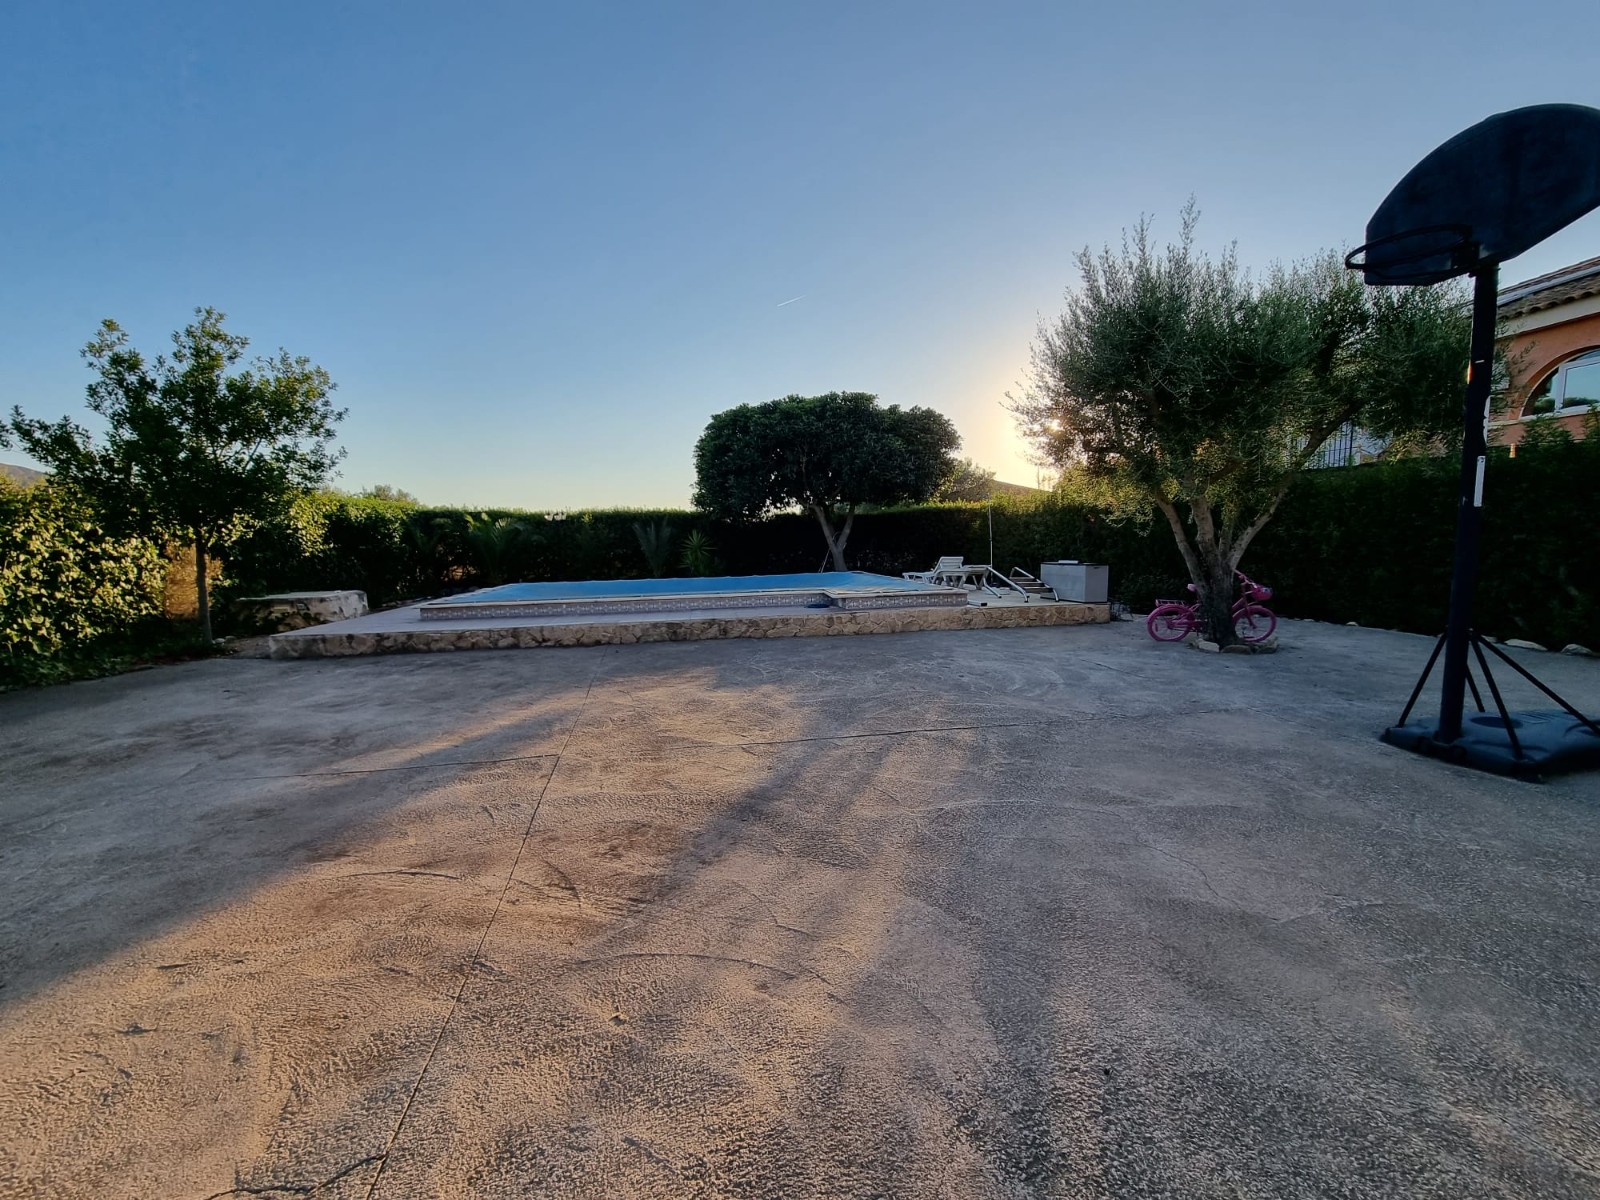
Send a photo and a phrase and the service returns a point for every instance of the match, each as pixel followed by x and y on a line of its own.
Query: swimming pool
pixel 847 590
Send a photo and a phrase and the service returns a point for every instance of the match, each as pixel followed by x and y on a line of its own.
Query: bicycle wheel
pixel 1170 623
pixel 1253 623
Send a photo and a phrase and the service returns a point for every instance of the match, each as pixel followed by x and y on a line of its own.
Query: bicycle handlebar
pixel 1252 589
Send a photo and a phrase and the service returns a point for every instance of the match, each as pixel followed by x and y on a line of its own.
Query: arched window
pixel 1571 387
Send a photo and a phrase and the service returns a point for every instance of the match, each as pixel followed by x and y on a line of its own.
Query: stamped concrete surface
pixel 1001 913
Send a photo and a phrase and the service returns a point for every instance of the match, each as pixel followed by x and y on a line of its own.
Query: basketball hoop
pixel 1430 254
pixel 1481 198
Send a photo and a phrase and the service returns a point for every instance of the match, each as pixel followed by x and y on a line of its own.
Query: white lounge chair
pixel 948 565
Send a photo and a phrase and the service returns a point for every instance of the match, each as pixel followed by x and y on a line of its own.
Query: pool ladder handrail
pixel 1026 590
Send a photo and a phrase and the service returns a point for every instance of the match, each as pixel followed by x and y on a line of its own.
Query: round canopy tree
pixel 190 450
pixel 1182 384
pixel 826 454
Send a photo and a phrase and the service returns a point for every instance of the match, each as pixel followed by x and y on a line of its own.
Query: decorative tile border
pixel 832 622
pixel 860 601
pixel 641 604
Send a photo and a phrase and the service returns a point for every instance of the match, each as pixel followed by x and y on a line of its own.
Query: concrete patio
pixel 997 913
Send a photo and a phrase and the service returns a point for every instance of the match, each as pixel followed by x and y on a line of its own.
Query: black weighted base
pixel 1547 743
pixel 1527 745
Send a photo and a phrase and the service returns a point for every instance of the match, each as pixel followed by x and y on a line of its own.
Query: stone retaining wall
pixel 822 624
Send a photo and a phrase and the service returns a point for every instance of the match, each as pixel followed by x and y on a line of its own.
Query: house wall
pixel 1537 343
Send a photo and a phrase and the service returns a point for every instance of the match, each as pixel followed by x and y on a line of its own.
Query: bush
pixel 73 602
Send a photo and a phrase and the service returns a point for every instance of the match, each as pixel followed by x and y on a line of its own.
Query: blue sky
pixel 538 246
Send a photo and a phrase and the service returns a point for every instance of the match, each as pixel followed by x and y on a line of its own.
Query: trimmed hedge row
pixel 1369 544
pixel 1374 545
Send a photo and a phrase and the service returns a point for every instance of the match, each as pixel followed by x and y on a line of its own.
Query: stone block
pixel 284 611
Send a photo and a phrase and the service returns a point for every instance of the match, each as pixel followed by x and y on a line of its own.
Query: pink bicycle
pixel 1172 621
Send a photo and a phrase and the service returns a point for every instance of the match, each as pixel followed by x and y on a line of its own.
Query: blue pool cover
pixel 609 589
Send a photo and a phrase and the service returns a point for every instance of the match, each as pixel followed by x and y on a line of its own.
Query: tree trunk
pixel 835 541
pixel 1216 599
pixel 201 598
pixel 1214 585
pixel 1210 567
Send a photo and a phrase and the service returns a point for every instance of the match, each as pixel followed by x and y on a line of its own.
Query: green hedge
pixel 1374 545
pixel 1369 544
pixel 71 599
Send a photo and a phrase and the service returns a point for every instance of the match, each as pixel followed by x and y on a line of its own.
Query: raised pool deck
pixel 656 597
pixel 405 631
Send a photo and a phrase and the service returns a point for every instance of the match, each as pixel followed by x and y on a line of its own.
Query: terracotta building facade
pixel 1550 334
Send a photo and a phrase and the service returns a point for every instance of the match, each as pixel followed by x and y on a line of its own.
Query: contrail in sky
pixel 786 303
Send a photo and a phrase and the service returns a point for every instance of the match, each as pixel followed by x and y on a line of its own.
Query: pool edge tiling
pixel 401 631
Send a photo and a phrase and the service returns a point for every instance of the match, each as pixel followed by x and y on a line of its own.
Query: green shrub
pixel 699 555
pixel 656 544
pixel 73 602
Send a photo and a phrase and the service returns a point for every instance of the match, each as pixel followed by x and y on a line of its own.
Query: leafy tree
pixel 1185 385
pixel 966 481
pixel 828 455
pixel 191 451
pixel 387 491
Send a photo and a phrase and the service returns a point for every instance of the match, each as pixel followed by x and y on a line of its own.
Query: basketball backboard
pixel 1485 196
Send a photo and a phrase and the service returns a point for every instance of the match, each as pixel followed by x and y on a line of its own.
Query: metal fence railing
pixel 1347 447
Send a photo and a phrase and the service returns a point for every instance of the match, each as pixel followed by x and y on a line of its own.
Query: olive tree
pixel 967 481
pixel 828 455
pixel 191 451
pixel 1183 385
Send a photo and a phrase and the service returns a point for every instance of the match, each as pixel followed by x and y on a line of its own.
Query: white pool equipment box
pixel 1080 582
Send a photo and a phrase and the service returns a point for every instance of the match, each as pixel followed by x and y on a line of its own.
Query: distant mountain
pixel 26 476
pixel 1002 488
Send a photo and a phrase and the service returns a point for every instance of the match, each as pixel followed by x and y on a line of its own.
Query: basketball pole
pixel 1469 511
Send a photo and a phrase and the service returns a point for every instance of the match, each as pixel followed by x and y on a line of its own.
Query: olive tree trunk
pixel 1216 601
pixel 202 598
pixel 1212 555
pixel 836 541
